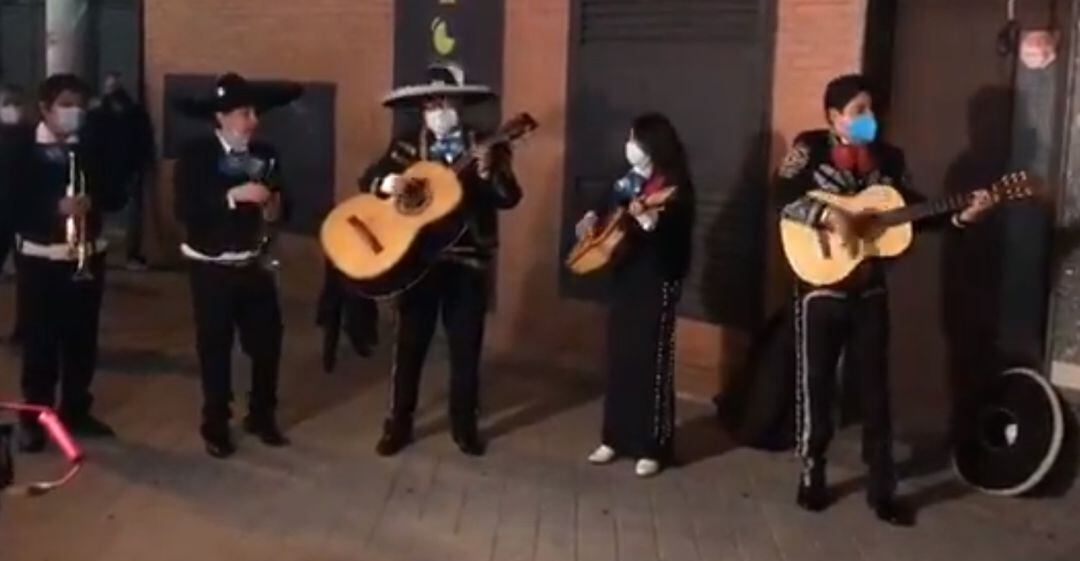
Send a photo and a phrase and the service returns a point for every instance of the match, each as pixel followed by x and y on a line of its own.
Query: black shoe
pixel 814 498
pixel 471 444
pixel 31 438
pixel 893 512
pixel 267 431
pixel 813 494
pixel 396 436
pixel 219 443
pixel 86 425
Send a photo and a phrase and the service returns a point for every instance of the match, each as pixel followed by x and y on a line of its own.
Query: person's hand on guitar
pixel 848 226
pixel 489 158
pixel 981 201
pixel 392 185
pixel 646 215
pixel 586 224
pixel 484 161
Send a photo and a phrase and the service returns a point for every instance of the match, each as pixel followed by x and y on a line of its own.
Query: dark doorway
pixel 707 65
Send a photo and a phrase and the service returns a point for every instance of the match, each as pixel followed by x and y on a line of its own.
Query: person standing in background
pixel 12 119
pixel 126 128
pixel 13 125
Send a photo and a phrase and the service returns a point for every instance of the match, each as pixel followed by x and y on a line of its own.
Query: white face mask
pixel 237 142
pixel 441 121
pixel 69 119
pixel 638 159
pixel 10 114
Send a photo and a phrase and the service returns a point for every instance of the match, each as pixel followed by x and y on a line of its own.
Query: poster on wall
pixel 468 32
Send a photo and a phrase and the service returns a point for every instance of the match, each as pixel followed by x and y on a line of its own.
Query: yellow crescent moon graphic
pixel 440 37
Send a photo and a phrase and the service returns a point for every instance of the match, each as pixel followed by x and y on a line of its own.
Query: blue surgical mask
pixel 862 129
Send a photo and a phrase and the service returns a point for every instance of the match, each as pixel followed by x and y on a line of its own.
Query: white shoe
pixel 602 455
pixel 647 468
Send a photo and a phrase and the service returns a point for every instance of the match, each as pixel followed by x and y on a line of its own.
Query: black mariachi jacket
pixel 35 178
pixel 202 182
pixel 483 198
pixel 808 166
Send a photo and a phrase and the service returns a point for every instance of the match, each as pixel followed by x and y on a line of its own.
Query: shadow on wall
pixel 737 300
pixel 971 260
pixel 740 306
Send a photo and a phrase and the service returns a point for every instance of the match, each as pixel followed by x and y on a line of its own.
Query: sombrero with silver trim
pixel 1013 440
pixel 444 80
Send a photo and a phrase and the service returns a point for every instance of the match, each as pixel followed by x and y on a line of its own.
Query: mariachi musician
pixel 639 405
pixel 458 284
pixel 228 193
pixel 852 317
pixel 59 194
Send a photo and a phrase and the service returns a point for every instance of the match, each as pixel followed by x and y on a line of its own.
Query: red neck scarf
pixel 854 158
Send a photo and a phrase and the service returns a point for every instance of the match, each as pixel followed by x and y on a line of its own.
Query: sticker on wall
pixel 468 32
pixel 1038 49
pixel 441 40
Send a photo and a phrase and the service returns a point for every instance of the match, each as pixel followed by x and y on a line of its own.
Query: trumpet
pixel 75 226
pixel 266 244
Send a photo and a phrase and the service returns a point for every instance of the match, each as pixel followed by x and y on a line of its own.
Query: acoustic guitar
pixel 602 244
pixel 820 257
pixel 384 245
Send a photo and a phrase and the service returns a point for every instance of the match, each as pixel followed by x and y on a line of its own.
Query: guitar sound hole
pixel 414 198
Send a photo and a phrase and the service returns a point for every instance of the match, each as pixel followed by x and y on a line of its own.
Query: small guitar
pixel 820 257
pixel 385 245
pixel 600 246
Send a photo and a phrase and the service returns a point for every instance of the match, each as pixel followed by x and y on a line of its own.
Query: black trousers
pixel 134 232
pixel 230 301
pixel 460 293
pixel 7 240
pixel 59 319
pixel 639 402
pixel 854 325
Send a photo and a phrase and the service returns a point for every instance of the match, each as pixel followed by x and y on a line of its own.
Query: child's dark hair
pixel 841 90
pixel 57 84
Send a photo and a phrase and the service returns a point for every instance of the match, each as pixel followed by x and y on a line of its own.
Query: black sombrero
pixel 444 80
pixel 232 91
pixel 1015 436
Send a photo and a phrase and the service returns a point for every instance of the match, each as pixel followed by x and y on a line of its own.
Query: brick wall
pixel 532 321
pixel 347 42
pixel 817 39
pixel 350 42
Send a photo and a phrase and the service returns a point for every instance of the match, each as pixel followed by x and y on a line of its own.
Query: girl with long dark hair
pixel 639 408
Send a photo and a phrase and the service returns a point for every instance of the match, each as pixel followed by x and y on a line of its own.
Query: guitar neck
pixel 928 209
